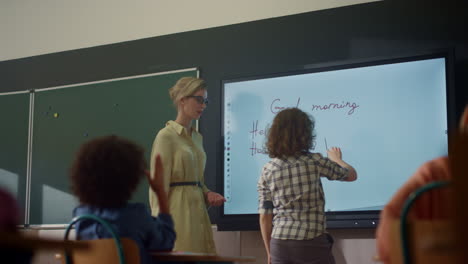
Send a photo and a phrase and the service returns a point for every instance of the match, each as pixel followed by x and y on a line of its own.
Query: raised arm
pixel 162 147
pixel 335 155
pixel 156 183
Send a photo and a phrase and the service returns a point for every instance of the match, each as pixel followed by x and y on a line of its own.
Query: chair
pixel 102 250
pixel 459 159
pixel 428 239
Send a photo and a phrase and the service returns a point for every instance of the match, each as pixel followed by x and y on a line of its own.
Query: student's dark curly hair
pixel 106 171
pixel 291 134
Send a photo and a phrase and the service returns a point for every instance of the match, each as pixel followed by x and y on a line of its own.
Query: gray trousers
pixel 313 251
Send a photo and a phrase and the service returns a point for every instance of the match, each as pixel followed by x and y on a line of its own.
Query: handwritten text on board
pixel 276 106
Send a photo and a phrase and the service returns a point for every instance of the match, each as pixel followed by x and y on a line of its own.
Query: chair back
pixel 433 233
pixel 102 250
pixel 459 158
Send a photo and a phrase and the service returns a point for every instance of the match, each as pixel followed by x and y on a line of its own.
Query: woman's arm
pixel 214 198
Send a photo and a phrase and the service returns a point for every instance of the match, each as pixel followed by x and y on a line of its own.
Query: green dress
pixel 183 160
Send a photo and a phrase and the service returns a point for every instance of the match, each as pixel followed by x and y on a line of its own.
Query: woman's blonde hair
pixel 292 134
pixel 186 86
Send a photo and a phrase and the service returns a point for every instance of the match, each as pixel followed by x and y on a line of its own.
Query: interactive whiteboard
pixel 388 119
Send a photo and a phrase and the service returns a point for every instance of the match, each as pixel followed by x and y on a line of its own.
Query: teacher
pixel 183 158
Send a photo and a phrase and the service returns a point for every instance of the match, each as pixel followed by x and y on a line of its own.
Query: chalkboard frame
pixel 335 220
pixel 29 169
pixel 16 120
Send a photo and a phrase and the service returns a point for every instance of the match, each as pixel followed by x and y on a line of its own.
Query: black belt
pixel 194 183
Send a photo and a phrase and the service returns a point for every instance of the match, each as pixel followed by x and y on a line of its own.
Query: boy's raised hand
pixel 334 154
pixel 157 185
pixel 157 181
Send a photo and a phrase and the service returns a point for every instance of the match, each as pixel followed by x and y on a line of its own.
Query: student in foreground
pixel 291 198
pixel 9 221
pixel 104 175
pixel 436 204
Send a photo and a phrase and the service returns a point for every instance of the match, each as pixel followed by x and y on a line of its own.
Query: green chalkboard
pixel 14 120
pixel 64 118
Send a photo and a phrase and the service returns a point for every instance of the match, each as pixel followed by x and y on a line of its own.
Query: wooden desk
pixel 188 257
pixel 17 240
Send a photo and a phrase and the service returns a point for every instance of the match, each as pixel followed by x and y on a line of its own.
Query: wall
pixel 29 28
pixel 376 29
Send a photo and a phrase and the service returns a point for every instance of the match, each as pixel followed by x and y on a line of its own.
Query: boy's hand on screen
pixel 156 182
pixel 334 154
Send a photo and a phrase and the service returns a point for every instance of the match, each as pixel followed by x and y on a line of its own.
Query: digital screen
pixel 388 119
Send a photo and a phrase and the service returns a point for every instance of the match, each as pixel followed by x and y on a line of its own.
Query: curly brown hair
pixel 106 171
pixel 291 134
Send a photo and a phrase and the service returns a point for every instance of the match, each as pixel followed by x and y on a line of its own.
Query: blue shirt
pixel 132 221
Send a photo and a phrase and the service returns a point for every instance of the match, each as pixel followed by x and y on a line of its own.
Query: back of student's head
pixel 106 171
pixel 291 134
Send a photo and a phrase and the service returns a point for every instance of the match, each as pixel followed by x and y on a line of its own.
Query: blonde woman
pixel 183 157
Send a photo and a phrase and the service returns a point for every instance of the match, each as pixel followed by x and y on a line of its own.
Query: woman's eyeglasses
pixel 200 99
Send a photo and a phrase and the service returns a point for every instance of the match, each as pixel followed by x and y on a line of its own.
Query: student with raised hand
pixel 290 193
pixel 183 157
pixel 436 204
pixel 104 175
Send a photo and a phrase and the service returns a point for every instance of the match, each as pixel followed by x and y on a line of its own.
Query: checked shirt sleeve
pixel 265 203
pixel 332 171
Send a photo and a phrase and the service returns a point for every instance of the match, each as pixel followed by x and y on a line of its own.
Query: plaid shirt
pixel 291 189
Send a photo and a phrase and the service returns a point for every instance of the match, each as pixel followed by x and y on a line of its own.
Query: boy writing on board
pixel 291 198
pixel 104 175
